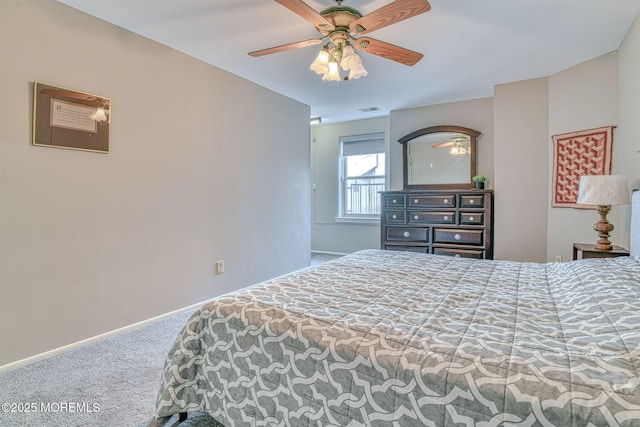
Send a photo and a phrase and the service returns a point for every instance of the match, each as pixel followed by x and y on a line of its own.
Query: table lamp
pixel 603 191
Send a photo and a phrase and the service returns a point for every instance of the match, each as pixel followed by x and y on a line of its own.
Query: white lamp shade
pixel 333 74
pixel 458 149
pixel 349 58
pixel 357 72
pixel 321 63
pixel 99 115
pixel 603 190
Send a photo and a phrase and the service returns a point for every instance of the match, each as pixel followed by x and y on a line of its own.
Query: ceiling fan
pixel 459 145
pixel 341 25
pixel 102 106
pixel 456 140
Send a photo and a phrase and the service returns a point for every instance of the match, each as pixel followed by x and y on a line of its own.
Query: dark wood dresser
pixel 444 222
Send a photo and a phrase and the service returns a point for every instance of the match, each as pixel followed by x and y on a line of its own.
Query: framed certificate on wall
pixel 65 118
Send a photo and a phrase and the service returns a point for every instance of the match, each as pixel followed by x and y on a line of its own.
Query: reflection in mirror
pixel 439 157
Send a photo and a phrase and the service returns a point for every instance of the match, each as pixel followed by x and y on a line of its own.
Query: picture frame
pixel 575 154
pixel 65 118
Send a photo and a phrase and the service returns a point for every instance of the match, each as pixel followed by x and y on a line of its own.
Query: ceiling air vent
pixel 368 109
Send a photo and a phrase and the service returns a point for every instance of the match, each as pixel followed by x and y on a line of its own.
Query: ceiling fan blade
pixel 396 11
pixel 303 10
pixel 79 98
pixel 296 45
pixel 458 141
pixel 68 94
pixel 387 50
pixel 443 144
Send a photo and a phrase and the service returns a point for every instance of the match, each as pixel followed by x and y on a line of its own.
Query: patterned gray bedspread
pixel 380 338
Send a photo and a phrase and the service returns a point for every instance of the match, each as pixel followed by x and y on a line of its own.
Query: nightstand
pixel 587 250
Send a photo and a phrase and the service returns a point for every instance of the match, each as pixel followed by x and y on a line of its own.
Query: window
pixel 362 176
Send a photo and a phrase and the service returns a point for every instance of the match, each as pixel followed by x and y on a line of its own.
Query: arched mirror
pixel 439 157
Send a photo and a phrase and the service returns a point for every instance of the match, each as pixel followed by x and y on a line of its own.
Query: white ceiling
pixel 468 45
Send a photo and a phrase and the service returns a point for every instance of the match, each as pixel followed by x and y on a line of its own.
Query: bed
pixel 380 338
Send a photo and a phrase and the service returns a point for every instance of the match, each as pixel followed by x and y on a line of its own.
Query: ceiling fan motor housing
pixel 340 17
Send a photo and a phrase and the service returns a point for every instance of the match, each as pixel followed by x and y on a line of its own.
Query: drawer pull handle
pixel 472 201
pixel 471 218
pixel 446 200
pixel 394 216
pixel 446 217
pixel 406 234
pixel 394 201
pixel 457 237
pixel 416 217
pixel 416 201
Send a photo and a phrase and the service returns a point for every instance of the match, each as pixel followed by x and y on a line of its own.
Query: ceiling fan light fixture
pixel 357 72
pixel 100 115
pixel 321 64
pixel 349 58
pixel 353 63
pixel 458 150
pixel 332 73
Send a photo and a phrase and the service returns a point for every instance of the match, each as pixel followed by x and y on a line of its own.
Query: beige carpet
pixel 111 382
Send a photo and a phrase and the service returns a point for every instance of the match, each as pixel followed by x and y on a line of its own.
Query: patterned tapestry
pixel 575 154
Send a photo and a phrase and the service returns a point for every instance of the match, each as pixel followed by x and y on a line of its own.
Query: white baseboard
pixel 328 253
pixel 23 362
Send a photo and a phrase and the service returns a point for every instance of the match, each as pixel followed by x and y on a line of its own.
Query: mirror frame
pixel 473 134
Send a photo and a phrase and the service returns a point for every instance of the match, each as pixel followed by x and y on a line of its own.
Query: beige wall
pixel 475 114
pixel 582 97
pixel 329 236
pixel 600 92
pixel 521 171
pixel 326 234
pixel 93 242
pixel 627 157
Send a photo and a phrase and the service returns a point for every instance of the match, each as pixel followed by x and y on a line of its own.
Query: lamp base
pixel 604 245
pixel 603 227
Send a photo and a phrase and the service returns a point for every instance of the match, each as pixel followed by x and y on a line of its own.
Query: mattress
pixel 380 338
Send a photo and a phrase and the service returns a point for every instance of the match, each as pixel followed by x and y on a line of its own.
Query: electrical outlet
pixel 558 258
pixel 219 267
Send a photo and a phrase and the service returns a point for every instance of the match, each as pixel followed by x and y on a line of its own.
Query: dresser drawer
pixel 464 253
pixel 432 217
pixel 471 218
pixel 409 248
pixel 432 200
pixel 472 201
pixel 408 234
pixel 458 236
pixel 395 217
pixel 393 201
